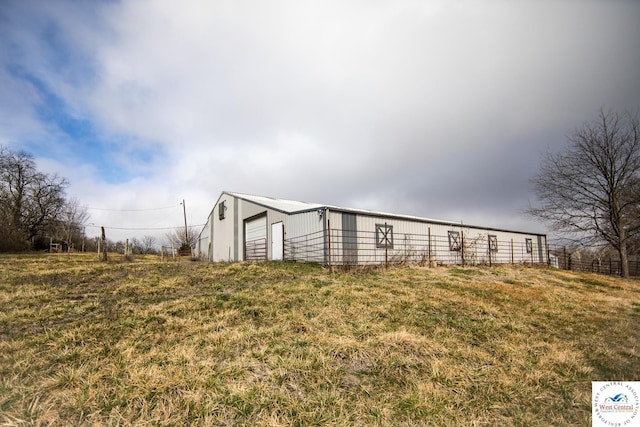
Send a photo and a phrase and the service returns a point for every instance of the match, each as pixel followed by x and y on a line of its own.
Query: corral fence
pixel 590 262
pixel 345 248
pixel 255 250
pixel 361 248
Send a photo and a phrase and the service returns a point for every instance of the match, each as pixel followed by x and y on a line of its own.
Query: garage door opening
pixel 255 238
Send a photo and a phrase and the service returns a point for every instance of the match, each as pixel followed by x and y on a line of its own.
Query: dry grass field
pixel 84 342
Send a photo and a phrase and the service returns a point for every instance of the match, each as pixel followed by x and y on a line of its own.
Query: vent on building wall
pixel 454 241
pixel 493 243
pixel 384 236
pixel 529 245
pixel 222 208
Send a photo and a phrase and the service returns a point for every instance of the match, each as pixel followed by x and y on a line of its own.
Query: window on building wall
pixel 493 243
pixel 528 243
pixel 384 236
pixel 454 241
pixel 222 208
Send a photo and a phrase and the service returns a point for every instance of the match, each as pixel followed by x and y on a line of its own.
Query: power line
pixel 143 229
pixel 133 210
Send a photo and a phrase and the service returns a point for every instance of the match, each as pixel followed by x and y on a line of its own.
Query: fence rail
pixel 586 262
pixel 307 248
pixel 338 247
pixel 348 248
pixel 256 250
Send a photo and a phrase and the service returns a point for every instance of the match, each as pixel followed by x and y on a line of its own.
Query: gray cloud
pixel 437 109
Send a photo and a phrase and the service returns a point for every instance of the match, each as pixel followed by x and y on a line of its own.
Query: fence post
pixel 511 251
pixel 489 247
pixel 104 244
pixel 531 252
pixel 429 247
pixel 548 257
pixel 462 245
pixel 329 245
pixel 386 249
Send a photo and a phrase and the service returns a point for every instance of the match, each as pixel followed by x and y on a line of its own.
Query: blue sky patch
pixel 72 136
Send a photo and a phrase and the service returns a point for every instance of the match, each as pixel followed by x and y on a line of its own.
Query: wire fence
pixel 586 261
pixel 361 248
pixel 255 250
pixel 338 247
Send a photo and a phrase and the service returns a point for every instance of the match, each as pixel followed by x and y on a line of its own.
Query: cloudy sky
pixel 441 109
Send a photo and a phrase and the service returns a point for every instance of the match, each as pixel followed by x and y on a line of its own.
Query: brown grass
pixel 84 342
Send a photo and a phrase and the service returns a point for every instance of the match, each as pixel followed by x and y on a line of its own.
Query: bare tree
pixel 135 246
pixel 592 189
pixel 178 235
pixel 72 219
pixel 148 244
pixel 30 201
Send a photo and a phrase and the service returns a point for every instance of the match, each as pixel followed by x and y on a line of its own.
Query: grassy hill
pixel 151 343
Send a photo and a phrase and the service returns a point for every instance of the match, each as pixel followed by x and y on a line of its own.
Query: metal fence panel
pixel 454 247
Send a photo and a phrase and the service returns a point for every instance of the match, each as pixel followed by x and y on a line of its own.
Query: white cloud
pixel 437 109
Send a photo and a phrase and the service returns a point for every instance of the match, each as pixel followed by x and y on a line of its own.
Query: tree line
pixel 34 207
pixel 150 244
pixel 35 211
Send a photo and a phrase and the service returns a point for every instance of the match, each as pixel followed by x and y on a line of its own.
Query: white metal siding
pixel 305 223
pixel 256 229
pixel 305 236
pixel 411 242
pixel 224 244
pixel 410 236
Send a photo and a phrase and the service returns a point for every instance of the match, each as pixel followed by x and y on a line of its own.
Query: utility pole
pixel 184 209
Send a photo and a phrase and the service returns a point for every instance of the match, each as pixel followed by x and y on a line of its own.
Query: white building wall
pixel 224 242
pixel 307 237
pixel 334 244
pixel 249 210
pixel 203 242
pixel 304 224
pixel 421 241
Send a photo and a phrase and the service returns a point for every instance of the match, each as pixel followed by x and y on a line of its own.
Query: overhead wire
pixel 142 228
pixel 132 210
pixel 137 210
